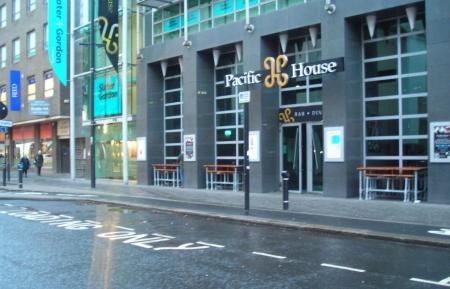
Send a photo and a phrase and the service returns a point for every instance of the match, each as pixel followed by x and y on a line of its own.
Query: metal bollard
pixel 4 176
pixel 285 177
pixel 8 171
pixel 20 171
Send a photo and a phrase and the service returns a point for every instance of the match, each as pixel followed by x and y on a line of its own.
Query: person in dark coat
pixel 39 161
pixel 25 162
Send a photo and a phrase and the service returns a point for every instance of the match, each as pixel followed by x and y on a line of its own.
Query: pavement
pixel 417 223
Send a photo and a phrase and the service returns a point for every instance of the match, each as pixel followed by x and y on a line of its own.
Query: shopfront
pixel 379 101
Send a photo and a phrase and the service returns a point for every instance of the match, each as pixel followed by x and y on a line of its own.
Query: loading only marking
pixel 343 268
pixel 443 232
pixel 127 235
pixel 444 282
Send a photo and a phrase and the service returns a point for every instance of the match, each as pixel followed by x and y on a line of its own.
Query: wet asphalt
pixel 67 244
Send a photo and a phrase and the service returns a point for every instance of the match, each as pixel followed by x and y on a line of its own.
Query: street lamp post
pixel 92 58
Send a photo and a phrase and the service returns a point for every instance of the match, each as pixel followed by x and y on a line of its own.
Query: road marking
pixel 86 195
pixel 210 244
pixel 65 216
pixel 67 195
pixel 8 205
pixel 444 232
pixel 445 282
pixel 163 236
pixel 269 255
pixel 125 228
pixel 30 193
pixel 342 267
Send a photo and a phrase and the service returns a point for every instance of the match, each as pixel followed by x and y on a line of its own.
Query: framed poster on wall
pixel 141 143
pixel 189 148
pixel 440 142
pixel 334 144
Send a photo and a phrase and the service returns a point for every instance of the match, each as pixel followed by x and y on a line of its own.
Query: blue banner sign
pixel 107 96
pixel 14 93
pixel 172 24
pixel 57 38
pixel 240 4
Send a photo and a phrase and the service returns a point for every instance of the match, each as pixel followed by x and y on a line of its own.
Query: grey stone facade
pixel 342 92
pixel 29 66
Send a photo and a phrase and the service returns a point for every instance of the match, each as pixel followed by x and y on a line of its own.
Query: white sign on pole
pixel 254 146
pixel 244 96
pixel 6 123
pixel 334 144
pixel 439 142
pixel 189 148
pixel 141 143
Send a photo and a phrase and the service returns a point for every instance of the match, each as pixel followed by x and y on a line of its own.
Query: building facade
pixel 390 90
pixel 107 94
pixel 40 115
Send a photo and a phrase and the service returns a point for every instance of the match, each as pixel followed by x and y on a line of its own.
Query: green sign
pixel 107 96
pixel 172 24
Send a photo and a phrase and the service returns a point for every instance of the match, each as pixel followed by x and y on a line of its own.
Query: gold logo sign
pixel 285 116
pixel 109 36
pixel 274 66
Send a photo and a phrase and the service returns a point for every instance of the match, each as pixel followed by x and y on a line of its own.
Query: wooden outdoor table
pixel 390 171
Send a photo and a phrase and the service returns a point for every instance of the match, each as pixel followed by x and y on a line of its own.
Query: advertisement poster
pixel 253 146
pixel 189 148
pixel 107 96
pixel 141 148
pixel 440 142
pixel 334 144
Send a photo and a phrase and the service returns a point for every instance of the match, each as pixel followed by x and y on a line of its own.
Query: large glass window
pixel 304 90
pixel 229 113
pixel 3 56
pixel 16 10
pixel 31 5
pixel 3 16
pixel 16 50
pixel 45 36
pixel 31 43
pixel 168 22
pixel 173 113
pixel 395 93
pixel 31 88
pixel 49 84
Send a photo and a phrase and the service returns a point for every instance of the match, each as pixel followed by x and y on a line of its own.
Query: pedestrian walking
pixel 39 161
pixel 25 162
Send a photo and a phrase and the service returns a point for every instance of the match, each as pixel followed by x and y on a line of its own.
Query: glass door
pixel 302 156
pixel 290 147
pixel 315 157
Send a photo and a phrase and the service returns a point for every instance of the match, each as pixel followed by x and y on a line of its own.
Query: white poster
pixel 141 148
pixel 334 144
pixel 253 146
pixel 189 148
pixel 440 142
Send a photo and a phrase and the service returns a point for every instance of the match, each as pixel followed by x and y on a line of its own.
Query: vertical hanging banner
pixel 57 38
pixel 14 94
pixel 108 18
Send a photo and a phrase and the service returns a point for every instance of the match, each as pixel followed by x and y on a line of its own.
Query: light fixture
pixel 329 7
pixel 249 28
pixel 187 43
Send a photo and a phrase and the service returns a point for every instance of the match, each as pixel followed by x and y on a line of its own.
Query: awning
pixel 156 4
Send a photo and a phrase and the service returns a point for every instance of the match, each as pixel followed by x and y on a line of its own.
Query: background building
pixel 392 87
pixel 42 120
pixel 107 95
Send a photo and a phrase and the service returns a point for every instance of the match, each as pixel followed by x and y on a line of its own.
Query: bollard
pixel 20 171
pixel 285 177
pixel 4 176
pixel 8 171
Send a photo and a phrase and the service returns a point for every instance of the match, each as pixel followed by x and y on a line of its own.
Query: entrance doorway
pixel 302 156
pixel 65 155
